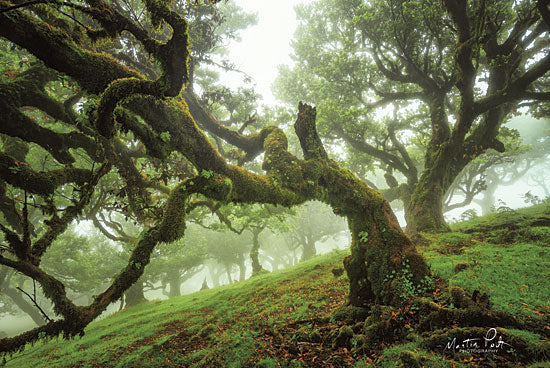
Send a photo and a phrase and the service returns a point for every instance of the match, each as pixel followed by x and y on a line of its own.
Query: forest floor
pixel 289 318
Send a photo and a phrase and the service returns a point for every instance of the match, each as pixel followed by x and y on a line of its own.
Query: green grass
pixel 220 325
pixel 501 255
pixel 285 318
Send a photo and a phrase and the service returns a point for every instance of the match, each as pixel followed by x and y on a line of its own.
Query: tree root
pixel 449 323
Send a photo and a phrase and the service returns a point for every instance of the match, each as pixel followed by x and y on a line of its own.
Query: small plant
pixel 501 207
pixel 409 288
pixel 364 236
pixel 468 215
pixel 390 276
pixel 531 198
pixel 14 169
pixel 207 174
pixel 165 136
pixel 512 351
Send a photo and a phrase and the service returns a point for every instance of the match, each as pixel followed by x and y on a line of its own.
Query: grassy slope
pixel 285 318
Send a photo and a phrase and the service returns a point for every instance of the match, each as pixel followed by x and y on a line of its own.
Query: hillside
pixel 291 318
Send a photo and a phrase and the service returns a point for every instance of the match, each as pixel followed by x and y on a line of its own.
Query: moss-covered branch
pixel 21 176
pixel 515 89
pixel 305 130
pixel 27 89
pixel 40 39
pixel 252 144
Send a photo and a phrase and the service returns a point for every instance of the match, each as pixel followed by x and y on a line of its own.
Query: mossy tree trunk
pixel 425 210
pixel 378 244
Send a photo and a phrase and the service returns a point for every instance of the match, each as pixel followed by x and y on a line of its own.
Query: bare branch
pixel 33 299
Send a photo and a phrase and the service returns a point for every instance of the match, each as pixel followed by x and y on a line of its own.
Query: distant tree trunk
pixel 425 211
pixel 215 276
pixel 16 296
pixel 274 264
pixel 442 165
pixel 135 295
pixel 487 202
pixel 242 269
pixel 254 253
pixel 174 281
pixel 228 272
pixel 293 259
pixel 309 250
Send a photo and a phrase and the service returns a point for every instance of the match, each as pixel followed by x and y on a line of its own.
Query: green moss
pixel 350 314
pixel 343 338
pixel 410 359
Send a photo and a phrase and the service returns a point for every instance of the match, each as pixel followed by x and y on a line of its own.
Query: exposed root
pixel 450 323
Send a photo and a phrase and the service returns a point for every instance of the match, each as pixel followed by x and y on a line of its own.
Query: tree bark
pixel 425 210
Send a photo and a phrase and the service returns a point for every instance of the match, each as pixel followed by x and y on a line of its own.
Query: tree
pixel 314 222
pixel 120 100
pixel 79 262
pixel 121 107
pixel 173 264
pixel 480 175
pixel 279 251
pixel 451 71
pixel 487 173
pixel 254 220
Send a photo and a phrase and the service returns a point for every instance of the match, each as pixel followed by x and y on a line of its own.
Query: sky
pixel 266 45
